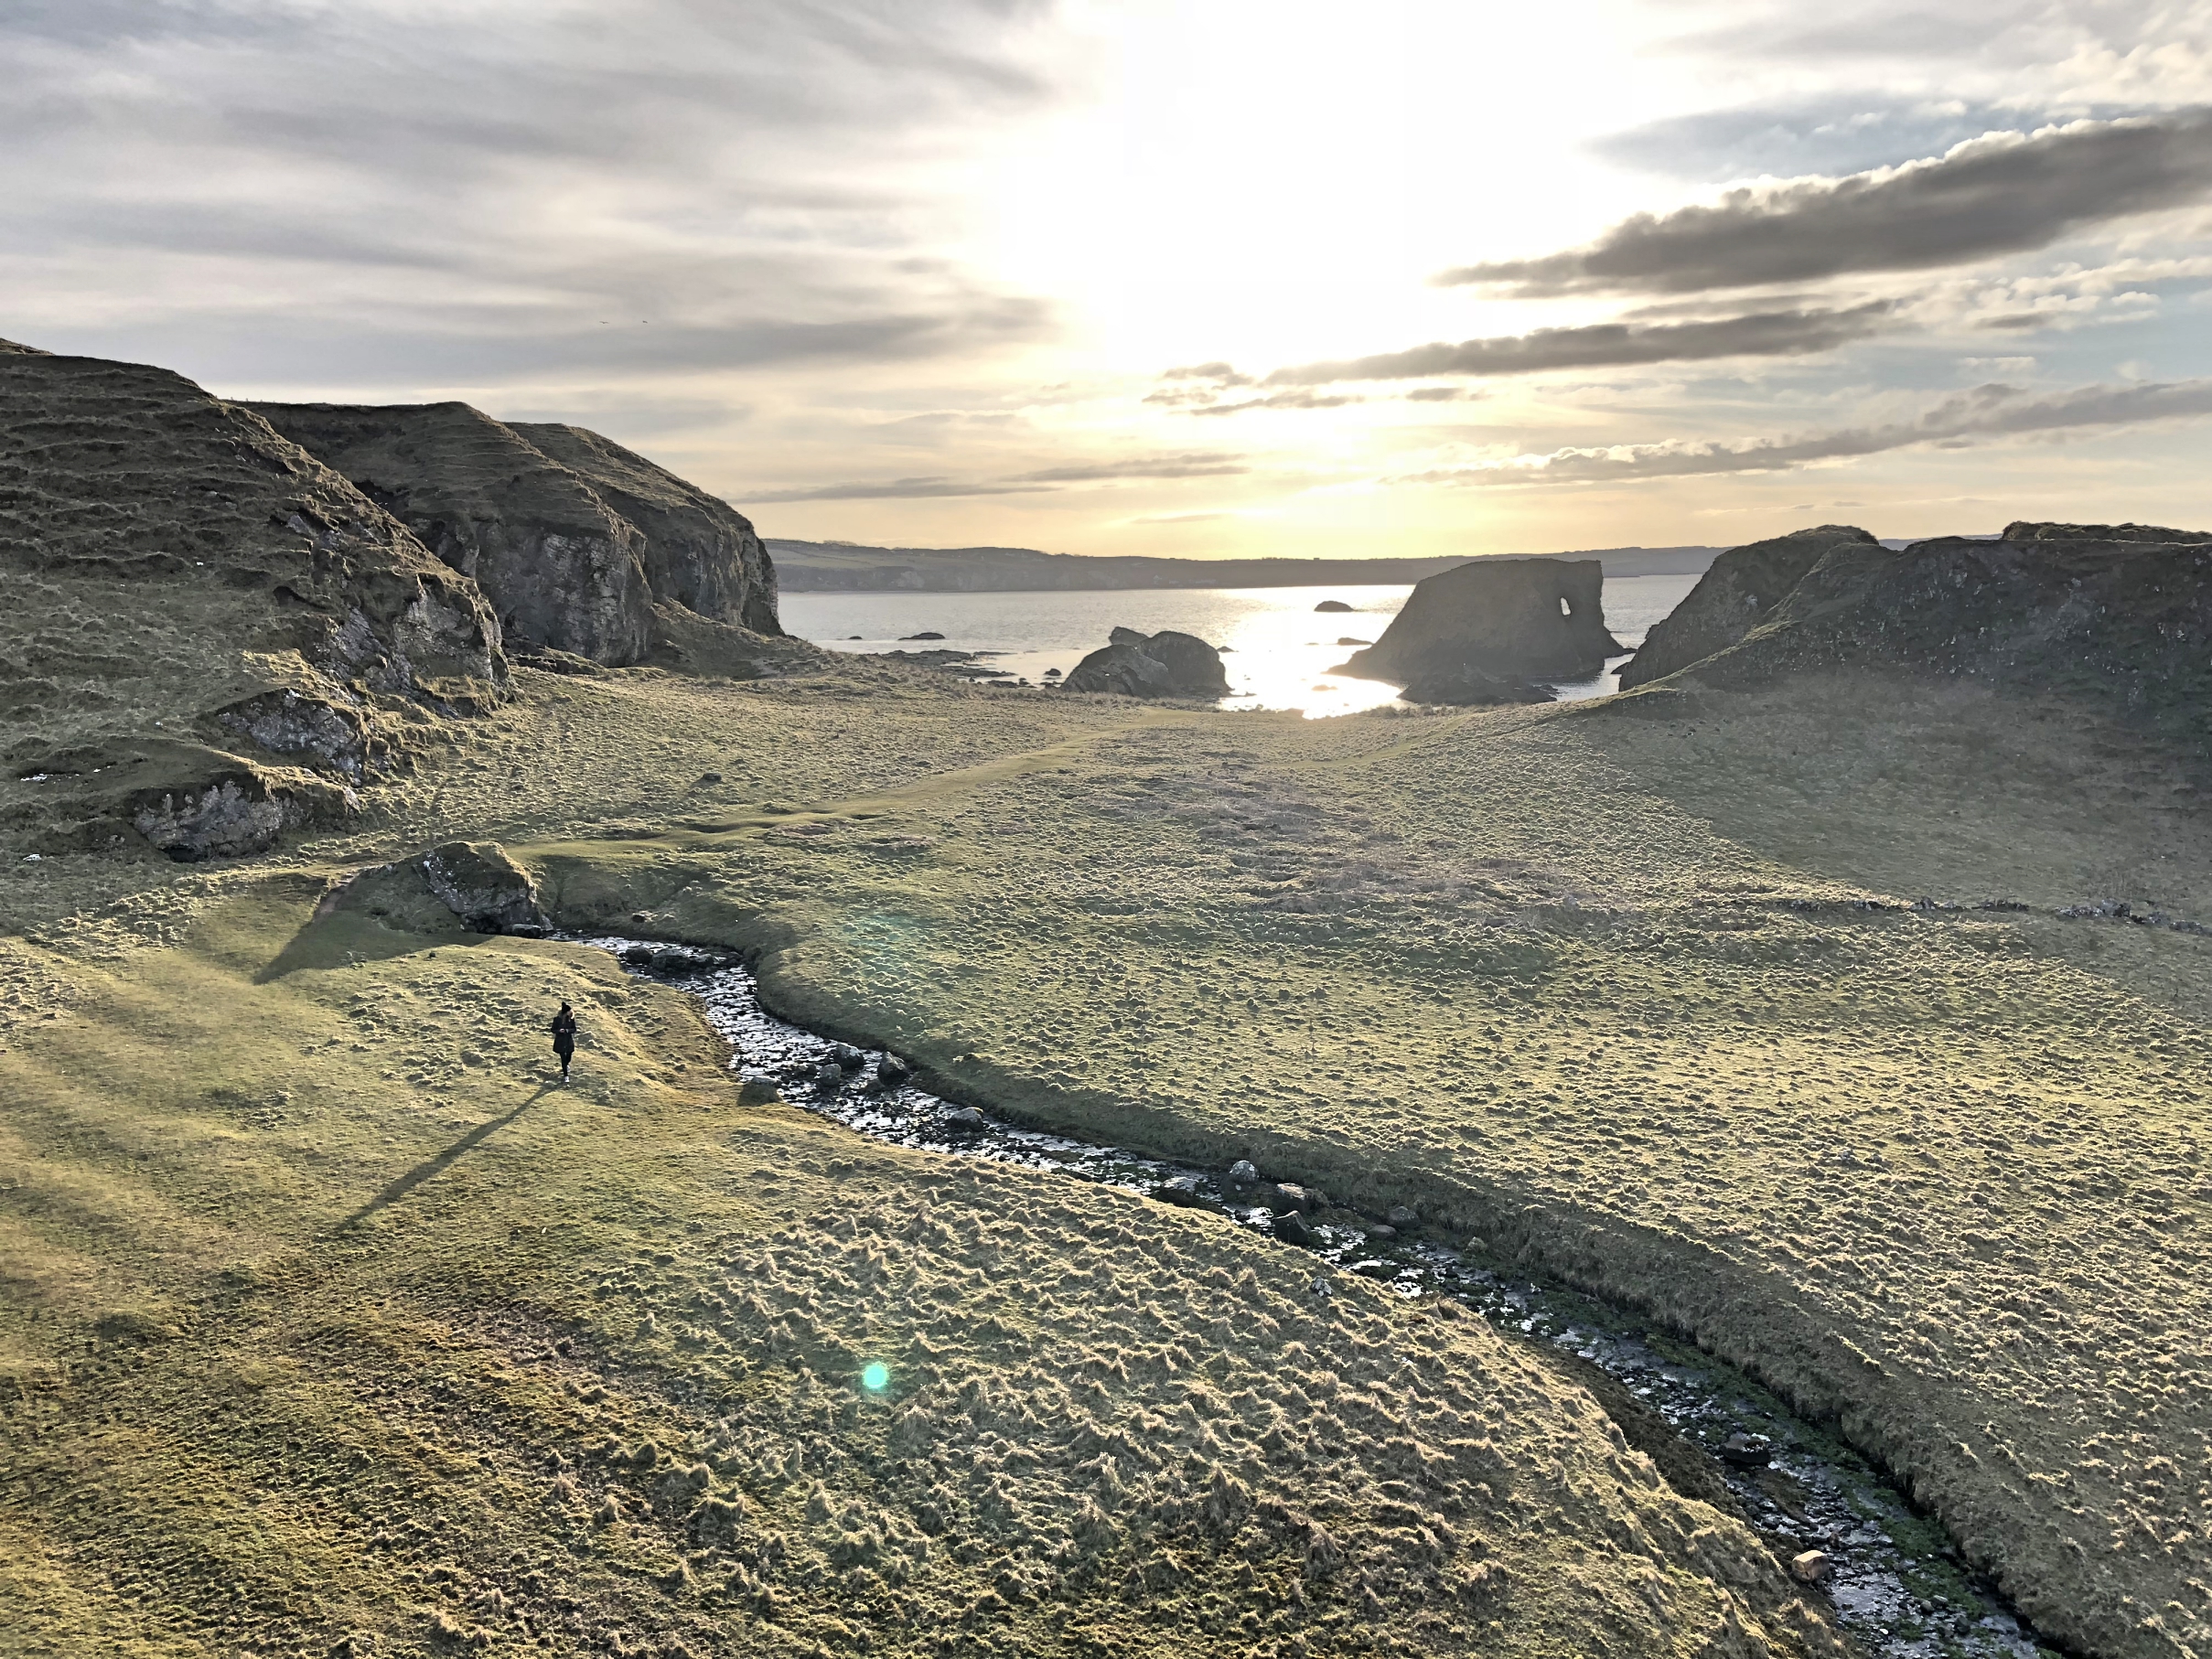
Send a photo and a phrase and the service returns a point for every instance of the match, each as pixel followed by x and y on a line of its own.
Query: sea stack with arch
pixel 1497 619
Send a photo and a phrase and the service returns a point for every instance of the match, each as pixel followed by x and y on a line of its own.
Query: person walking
pixel 564 1037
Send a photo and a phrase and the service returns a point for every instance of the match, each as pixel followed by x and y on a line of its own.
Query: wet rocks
pixel 1242 1174
pixel 1292 1228
pixel 756 1088
pixel 1401 1218
pixel 1184 1192
pixel 1166 664
pixel 1745 1451
pixel 1509 619
pixel 891 1071
pixel 966 1120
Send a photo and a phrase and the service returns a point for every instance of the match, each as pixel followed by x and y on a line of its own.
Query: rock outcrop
pixel 700 553
pixel 2115 614
pixel 1166 664
pixel 1470 688
pixel 1509 619
pixel 577 542
pixel 208 634
pixel 462 885
pixel 1740 591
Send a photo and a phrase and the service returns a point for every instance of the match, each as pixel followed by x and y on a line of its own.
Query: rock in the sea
pixel 1738 591
pixel 927 635
pixel 1465 688
pixel 1332 606
pixel 1514 619
pixel 1166 664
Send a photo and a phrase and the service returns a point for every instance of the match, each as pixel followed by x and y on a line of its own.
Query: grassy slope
pixel 1591 985
pixel 324 1316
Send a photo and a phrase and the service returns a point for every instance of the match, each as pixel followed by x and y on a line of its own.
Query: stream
pixel 1898 1582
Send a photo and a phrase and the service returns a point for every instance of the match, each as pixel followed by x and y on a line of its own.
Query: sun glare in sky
pixel 1112 276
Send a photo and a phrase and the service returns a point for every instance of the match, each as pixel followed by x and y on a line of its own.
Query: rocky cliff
pixel 1739 592
pixel 700 553
pixel 582 545
pixel 561 567
pixel 1509 619
pixel 2119 613
pixel 1166 664
pixel 207 633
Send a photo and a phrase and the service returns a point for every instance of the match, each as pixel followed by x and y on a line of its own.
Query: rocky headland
pixel 1740 590
pixel 1166 664
pixel 1495 620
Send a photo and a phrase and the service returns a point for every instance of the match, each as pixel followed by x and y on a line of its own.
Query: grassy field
pixel 1630 992
pixel 329 1325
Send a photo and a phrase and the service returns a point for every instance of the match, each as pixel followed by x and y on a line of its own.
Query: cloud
pixel 381 192
pixel 897 489
pixel 1609 344
pixel 2004 193
pixel 1992 411
pixel 1279 400
pixel 1155 467
pixel 1044 481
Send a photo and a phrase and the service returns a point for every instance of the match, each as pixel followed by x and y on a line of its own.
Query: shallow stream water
pixel 1897 1585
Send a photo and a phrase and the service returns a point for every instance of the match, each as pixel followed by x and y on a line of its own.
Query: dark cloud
pixel 1986 413
pixel 1827 136
pixel 2002 194
pixel 442 196
pixel 1608 345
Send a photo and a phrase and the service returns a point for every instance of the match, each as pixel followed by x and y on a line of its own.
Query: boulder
pixel 479 883
pixel 1242 1174
pixel 1332 606
pixel 1166 664
pixel 967 1120
pixel 1292 1228
pixel 1738 591
pixel 1467 687
pixel 1514 619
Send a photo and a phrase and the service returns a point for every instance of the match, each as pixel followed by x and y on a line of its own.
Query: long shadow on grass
pixel 445 1160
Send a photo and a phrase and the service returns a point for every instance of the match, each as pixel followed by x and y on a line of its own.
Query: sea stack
pixel 1166 664
pixel 1501 619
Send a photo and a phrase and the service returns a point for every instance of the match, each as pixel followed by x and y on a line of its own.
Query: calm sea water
pixel 1279 652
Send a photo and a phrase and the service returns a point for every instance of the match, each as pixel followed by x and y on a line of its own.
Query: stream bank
pixel 1895 1580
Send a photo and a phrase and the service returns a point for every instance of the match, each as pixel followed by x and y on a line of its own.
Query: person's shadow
pixel 414 1177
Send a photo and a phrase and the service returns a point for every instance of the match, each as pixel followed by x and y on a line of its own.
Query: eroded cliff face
pixel 700 553
pixel 207 633
pixel 582 545
pixel 1742 590
pixel 1511 619
pixel 563 568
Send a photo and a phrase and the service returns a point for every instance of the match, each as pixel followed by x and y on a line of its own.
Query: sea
pixel 1279 652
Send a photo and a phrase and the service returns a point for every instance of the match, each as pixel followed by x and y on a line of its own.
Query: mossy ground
pixel 1595 984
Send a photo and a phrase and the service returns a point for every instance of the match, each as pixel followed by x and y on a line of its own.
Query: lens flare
pixel 876 1376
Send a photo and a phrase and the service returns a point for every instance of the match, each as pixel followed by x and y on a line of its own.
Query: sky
pixel 1225 278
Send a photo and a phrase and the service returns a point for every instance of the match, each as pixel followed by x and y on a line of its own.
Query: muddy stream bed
pixel 1897 1581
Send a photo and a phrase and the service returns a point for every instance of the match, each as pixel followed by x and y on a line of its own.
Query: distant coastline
pixel 831 567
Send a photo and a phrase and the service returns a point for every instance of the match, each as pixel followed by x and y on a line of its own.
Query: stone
pixel 891 1071
pixel 1745 1451
pixel 1295 1197
pixel 756 1088
pixel 1400 1216
pixel 1332 606
pixel 1166 664
pixel 1244 1174
pixel 966 1120
pixel 479 883
pixel 1348 639
pixel 1376 1269
pixel 1811 1567
pixel 1736 593
pixel 830 1074
pixel 848 1057
pixel 1461 687
pixel 1380 1231
pixel 1182 1191
pixel 1292 1228
pixel 925 635
pixel 1514 619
